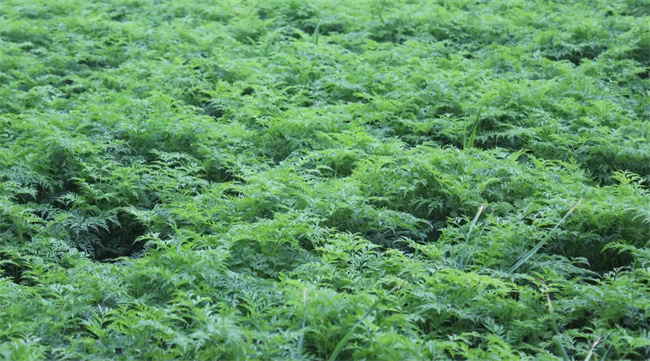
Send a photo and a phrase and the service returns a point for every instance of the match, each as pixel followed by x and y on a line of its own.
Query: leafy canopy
pixel 350 180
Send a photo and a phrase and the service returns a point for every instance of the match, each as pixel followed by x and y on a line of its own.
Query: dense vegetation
pixel 353 179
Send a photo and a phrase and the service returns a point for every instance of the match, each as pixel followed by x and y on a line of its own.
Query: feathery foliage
pixel 274 180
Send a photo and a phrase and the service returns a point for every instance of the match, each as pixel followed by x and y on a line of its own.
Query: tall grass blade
pixel 461 263
pixel 316 35
pixel 558 335
pixel 541 243
pixel 304 321
pixel 591 351
pixel 469 142
pixel 339 347
pixel 606 353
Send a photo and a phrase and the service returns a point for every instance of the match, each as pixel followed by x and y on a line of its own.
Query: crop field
pixel 325 180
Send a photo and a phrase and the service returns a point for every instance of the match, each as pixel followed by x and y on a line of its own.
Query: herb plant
pixel 324 180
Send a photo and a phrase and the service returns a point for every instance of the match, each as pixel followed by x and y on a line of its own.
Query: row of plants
pixel 306 180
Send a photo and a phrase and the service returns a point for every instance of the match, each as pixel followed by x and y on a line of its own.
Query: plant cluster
pixel 310 180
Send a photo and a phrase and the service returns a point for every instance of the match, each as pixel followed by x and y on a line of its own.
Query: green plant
pixel 247 180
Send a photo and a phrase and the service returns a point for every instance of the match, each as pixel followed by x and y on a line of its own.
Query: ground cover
pixel 311 180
